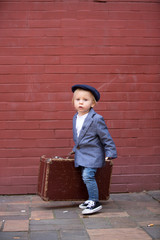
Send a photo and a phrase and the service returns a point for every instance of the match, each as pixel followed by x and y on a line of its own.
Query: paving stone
pixel 136 206
pixel 16 226
pixel 112 207
pixel 155 195
pixel 36 200
pixel 125 205
pixel 1 225
pixel 96 223
pixel 3 207
pixel 14 235
pixel 153 231
pixel 132 197
pixel 16 199
pixel 74 235
pixel 44 227
pixel 153 204
pixel 56 224
pixel 148 222
pixel 142 215
pixel 154 210
pixel 19 208
pixel 66 214
pixel 109 204
pixel 9 211
pixel 118 234
pixel 15 217
pixel 122 222
pixel 42 205
pixel 107 214
pixel 12 213
pixel 48 214
pixel 49 235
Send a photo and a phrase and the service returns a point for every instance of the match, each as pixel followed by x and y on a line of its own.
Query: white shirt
pixel 79 122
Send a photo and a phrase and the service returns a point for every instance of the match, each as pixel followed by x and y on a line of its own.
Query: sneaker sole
pixel 82 207
pixel 88 211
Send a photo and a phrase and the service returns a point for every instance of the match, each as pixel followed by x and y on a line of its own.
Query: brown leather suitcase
pixel 59 180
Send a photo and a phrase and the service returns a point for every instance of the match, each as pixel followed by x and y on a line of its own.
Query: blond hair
pixel 80 89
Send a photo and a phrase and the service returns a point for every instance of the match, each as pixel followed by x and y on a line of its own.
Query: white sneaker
pixel 92 208
pixel 84 205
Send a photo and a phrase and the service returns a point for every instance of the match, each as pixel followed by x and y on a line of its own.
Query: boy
pixel 93 143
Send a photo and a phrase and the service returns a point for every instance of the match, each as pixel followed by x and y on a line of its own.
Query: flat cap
pixel 94 91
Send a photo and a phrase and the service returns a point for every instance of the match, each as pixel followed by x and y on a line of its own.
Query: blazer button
pixel 78 147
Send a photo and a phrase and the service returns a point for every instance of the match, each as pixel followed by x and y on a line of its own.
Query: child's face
pixel 83 101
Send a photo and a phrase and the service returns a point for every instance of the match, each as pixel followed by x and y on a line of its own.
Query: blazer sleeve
pixel 105 138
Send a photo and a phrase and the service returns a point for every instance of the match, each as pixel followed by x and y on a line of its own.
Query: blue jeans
pixel 88 176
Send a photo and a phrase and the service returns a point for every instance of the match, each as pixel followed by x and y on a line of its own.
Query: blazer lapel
pixel 86 124
pixel 74 128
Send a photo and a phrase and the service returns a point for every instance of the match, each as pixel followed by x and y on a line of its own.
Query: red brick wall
pixel 45 48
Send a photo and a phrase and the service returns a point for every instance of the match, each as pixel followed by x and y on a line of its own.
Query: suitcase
pixel 58 180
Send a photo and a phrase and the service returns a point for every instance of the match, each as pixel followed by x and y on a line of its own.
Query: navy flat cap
pixel 94 91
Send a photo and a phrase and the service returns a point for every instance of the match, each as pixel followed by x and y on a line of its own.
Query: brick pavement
pixel 123 217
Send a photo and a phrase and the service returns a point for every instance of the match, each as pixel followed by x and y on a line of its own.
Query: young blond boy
pixel 93 142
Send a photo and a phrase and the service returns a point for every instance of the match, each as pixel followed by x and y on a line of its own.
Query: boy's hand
pixel 108 158
pixel 70 154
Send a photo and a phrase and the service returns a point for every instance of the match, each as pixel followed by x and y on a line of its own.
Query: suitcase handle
pixel 70 155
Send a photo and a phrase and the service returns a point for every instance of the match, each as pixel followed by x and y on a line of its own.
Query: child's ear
pixel 93 104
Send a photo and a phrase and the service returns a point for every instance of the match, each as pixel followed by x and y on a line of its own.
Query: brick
pixel 18 189
pixel 19 180
pixel 145 169
pixel 27 134
pixel 44 23
pixel 63 134
pixel 80 50
pixel 139 160
pixel 102 69
pixel 141 186
pixel 13 24
pixel 23 69
pixel 143 179
pixel 15 15
pixel 27 162
pixel 5 181
pixel 19 171
pixel 20 125
pixel 130 15
pixel 14 6
pixel 122 6
pixel 109 60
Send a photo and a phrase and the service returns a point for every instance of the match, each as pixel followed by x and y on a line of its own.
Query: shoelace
pixel 87 202
pixel 90 204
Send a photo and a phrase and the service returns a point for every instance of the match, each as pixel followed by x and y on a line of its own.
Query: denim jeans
pixel 88 176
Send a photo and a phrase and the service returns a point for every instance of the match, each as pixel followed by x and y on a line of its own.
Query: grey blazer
pixel 94 142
